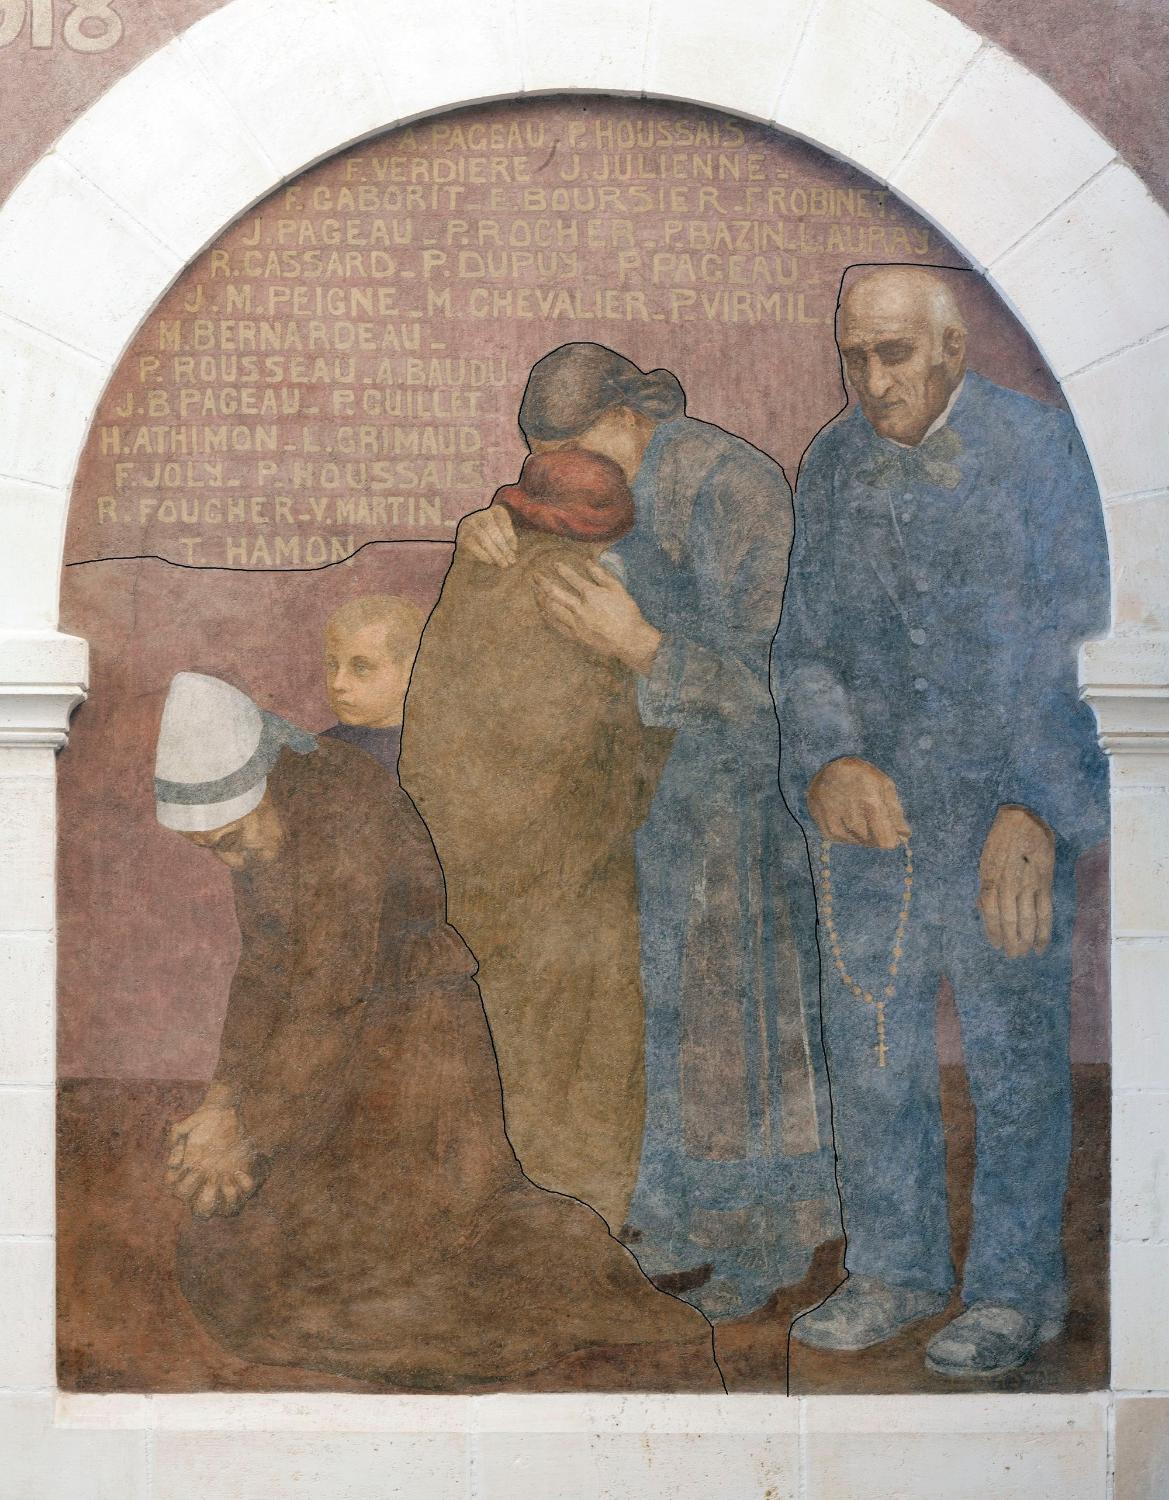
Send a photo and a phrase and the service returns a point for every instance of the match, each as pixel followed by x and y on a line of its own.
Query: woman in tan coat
pixel 525 754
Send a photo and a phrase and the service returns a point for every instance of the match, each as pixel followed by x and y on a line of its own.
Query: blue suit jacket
pixel 936 600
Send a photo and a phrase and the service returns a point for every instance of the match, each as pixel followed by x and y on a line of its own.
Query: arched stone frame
pixel 259 90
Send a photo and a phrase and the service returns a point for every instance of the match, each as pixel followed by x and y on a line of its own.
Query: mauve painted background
pixel 1109 58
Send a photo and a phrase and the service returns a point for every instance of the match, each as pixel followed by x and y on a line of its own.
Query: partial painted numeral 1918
pixel 89 25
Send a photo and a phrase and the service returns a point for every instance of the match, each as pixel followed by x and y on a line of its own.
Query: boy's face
pixel 367 675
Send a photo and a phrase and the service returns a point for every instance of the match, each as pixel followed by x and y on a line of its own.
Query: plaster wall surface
pixel 1071 238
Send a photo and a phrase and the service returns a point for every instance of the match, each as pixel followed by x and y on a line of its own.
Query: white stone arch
pixel 260 89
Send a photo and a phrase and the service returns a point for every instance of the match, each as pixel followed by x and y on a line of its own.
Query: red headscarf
pixel 572 493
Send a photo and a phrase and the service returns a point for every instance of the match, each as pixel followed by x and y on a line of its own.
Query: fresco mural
pixel 545 907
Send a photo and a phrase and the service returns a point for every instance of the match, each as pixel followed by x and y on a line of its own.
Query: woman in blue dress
pixel 735 1187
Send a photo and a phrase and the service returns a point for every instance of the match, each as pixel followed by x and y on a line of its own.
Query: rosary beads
pixel 828 916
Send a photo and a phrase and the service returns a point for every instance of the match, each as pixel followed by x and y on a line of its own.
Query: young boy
pixel 370 645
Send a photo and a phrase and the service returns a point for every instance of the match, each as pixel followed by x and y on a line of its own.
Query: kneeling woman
pixel 357 1206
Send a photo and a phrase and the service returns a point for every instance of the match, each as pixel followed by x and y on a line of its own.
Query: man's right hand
pixel 488 536
pixel 855 803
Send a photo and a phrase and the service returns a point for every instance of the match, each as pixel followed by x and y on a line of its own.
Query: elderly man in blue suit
pixel 949 558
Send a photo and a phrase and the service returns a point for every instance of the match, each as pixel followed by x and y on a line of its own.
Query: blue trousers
pixel 1014 1016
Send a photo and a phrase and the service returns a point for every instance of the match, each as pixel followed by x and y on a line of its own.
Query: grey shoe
pixel 863 1312
pixel 988 1339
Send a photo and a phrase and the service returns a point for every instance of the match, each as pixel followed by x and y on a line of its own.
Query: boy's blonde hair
pixel 402 618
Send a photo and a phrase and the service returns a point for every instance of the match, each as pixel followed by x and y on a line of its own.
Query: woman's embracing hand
pixel 488 536
pixel 597 610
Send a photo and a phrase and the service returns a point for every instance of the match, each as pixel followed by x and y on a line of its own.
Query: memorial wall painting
pixel 636 1040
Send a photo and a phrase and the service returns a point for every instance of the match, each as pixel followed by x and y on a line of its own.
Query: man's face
pixel 254 839
pixel 367 679
pixel 903 367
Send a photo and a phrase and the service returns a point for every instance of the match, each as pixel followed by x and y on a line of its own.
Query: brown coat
pixel 395 1238
pixel 526 757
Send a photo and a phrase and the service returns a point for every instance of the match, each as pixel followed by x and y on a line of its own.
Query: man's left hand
pixel 1015 878
pixel 595 609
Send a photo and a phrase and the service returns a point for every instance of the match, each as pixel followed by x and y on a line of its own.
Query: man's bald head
pixel 903 291
pixel 903 341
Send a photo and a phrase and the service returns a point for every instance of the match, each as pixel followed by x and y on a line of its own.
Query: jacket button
pixel 920 684
pixel 917 637
pixel 926 742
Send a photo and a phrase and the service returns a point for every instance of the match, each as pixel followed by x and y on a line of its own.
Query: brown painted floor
pixel 123 1324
